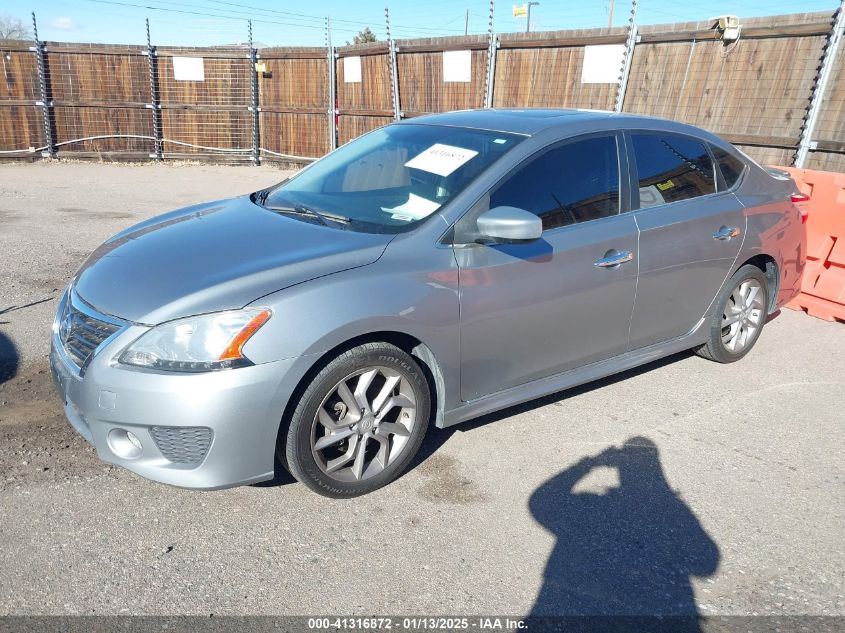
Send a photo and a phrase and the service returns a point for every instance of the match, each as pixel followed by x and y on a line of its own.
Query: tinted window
pixel 671 168
pixel 730 166
pixel 572 183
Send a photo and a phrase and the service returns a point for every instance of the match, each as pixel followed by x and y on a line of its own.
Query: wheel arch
pixel 769 267
pixel 406 342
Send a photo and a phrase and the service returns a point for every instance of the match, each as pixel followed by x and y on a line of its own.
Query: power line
pixel 295 19
pixel 187 12
pixel 233 17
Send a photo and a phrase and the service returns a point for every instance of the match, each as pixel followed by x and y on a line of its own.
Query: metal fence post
pixel 626 59
pixel 253 72
pixel 394 72
pixel 492 48
pixel 331 56
pixel 46 102
pixel 154 105
pixel 834 40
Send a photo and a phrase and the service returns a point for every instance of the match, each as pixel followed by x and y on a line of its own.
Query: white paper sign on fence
pixel 441 159
pixel 602 64
pixel 352 70
pixel 457 66
pixel 188 69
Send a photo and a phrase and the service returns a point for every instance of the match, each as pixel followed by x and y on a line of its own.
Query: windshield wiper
pixel 322 216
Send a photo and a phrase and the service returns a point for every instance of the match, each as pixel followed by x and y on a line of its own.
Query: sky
pixel 279 23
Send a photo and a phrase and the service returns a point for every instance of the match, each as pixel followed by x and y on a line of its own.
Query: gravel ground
pixel 683 486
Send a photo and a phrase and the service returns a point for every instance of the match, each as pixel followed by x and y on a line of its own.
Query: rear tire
pixel 738 316
pixel 359 422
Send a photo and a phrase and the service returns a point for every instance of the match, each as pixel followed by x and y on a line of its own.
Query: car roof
pixel 532 121
pixel 526 121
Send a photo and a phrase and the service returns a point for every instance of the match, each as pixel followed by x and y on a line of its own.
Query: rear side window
pixel 671 168
pixel 566 185
pixel 730 166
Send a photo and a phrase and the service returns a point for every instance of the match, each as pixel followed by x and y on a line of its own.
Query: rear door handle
pixel 725 233
pixel 613 258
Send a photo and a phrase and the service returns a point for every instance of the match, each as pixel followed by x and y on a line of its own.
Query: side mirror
pixel 509 225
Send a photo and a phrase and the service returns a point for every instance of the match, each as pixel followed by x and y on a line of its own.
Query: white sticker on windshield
pixel 416 208
pixel 441 159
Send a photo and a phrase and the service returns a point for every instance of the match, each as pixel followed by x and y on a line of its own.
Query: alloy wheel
pixel 743 316
pixel 363 424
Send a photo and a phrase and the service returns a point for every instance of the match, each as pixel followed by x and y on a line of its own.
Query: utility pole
pixel 610 16
pixel 492 46
pixel 332 110
pixel 393 68
pixel 829 54
pixel 46 101
pixel 528 20
pixel 630 42
pixel 154 105
pixel 466 22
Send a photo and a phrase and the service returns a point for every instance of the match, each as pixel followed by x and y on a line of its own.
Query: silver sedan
pixel 426 273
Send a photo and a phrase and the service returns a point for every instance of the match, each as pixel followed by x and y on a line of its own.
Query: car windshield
pixel 389 180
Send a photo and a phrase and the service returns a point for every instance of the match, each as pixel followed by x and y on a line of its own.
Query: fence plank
pixel 20 74
pixel 421 84
pixel 754 87
pixel 547 77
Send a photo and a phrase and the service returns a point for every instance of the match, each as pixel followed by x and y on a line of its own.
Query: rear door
pixel 691 230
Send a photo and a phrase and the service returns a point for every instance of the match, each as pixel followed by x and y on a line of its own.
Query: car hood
pixel 215 256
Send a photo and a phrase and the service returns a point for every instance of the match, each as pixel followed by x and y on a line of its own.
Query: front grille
pixel 81 333
pixel 182 444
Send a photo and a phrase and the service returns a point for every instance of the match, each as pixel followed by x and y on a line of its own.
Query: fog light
pixel 124 444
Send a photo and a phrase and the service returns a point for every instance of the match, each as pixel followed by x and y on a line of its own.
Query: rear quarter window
pixel 729 165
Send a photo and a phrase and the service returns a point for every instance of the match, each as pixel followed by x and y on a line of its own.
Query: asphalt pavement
pixel 681 487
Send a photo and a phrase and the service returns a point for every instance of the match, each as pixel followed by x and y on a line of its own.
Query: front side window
pixel 671 168
pixel 390 180
pixel 572 183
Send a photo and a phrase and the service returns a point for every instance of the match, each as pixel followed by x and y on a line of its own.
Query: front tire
pixel 359 423
pixel 738 317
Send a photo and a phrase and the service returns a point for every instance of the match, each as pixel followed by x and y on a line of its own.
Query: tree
pixel 12 29
pixel 363 37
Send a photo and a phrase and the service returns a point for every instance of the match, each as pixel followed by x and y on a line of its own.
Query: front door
pixel 533 310
pixel 690 235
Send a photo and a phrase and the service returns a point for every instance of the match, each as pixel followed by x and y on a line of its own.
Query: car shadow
pixel 624 553
pixel 9 358
pixel 435 438
pixel 281 477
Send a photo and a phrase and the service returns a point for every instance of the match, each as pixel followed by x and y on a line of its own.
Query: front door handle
pixel 613 258
pixel 725 233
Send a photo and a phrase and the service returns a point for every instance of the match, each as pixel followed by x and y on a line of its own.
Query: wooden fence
pixel 131 102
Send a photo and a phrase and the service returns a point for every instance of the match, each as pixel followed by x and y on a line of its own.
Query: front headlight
pixel 203 343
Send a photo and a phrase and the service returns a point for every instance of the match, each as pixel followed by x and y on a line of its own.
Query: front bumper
pixel 241 407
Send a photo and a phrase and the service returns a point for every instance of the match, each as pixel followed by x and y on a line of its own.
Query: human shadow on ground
pixel 625 552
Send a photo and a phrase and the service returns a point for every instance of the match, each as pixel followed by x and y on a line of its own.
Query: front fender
pixel 410 294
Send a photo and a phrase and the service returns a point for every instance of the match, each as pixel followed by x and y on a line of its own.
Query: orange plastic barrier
pixel 823 285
